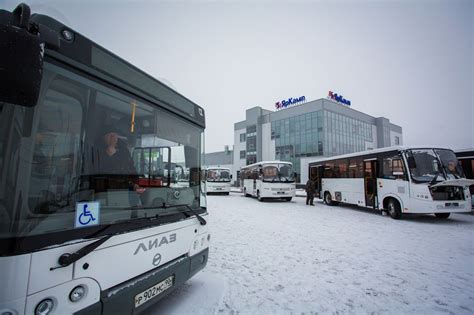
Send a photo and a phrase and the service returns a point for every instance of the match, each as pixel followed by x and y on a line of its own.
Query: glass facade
pixel 251 145
pixel 345 134
pixel 319 133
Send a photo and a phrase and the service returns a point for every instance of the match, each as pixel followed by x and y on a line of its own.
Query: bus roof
pixel 266 162
pixel 84 54
pixel 375 151
pixel 465 154
pixel 471 150
pixel 218 168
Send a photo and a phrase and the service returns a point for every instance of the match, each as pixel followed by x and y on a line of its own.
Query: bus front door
pixel 370 182
pixel 316 173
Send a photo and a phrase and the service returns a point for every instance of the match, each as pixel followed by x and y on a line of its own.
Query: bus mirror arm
pixel 21 57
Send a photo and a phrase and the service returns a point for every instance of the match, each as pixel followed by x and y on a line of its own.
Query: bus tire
pixel 226 193
pixel 328 199
pixel 258 196
pixel 245 192
pixel 393 208
pixel 442 215
pixel 288 198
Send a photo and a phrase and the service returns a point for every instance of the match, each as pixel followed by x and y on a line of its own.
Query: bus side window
pixel 355 169
pixel 393 168
pixel 329 170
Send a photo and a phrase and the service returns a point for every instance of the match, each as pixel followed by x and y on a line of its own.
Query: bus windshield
pixel 218 175
pixel 278 173
pixel 86 142
pixel 451 164
pixel 435 165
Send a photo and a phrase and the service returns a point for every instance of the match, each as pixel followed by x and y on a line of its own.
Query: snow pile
pixel 280 257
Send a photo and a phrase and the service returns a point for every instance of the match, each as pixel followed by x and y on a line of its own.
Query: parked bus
pixel 401 180
pixel 218 180
pixel 466 158
pixel 90 222
pixel 268 180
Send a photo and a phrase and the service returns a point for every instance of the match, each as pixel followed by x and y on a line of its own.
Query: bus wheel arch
pixel 443 215
pixel 393 206
pixel 328 199
pixel 245 192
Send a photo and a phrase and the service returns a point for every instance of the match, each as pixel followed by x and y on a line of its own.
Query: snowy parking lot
pixel 280 257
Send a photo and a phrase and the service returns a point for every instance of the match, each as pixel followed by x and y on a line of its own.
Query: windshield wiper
pixel 68 259
pixel 433 181
pixel 201 219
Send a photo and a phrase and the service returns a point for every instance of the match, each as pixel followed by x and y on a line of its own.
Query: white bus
pixel 268 180
pixel 218 180
pixel 90 221
pixel 397 179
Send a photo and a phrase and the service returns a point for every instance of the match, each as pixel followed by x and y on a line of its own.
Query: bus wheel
pixel 288 198
pixel 258 196
pixel 226 193
pixel 394 210
pixel 442 215
pixel 328 199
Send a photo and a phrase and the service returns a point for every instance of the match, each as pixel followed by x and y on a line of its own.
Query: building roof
pixel 315 105
pixel 219 158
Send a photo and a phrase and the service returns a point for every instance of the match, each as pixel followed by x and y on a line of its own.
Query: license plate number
pixel 153 291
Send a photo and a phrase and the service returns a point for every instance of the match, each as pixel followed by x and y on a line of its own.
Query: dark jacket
pixel 310 186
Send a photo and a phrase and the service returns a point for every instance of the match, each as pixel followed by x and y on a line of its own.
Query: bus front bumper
pixel 223 189
pixel 420 206
pixel 121 299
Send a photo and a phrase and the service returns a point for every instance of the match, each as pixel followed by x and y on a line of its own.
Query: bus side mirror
pixel 21 58
pixel 411 162
pixel 230 176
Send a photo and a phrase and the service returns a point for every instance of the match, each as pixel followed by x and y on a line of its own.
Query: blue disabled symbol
pixel 86 216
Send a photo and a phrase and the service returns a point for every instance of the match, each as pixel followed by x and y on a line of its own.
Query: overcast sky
pixel 409 61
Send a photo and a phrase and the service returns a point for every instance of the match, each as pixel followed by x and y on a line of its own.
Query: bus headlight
pixel 77 293
pixel 44 307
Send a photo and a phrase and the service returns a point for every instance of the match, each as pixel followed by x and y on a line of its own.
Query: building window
pixel 252 129
pixel 397 140
pixel 251 143
pixel 242 137
pixel 242 154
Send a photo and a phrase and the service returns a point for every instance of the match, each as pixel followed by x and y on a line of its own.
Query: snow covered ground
pixel 279 257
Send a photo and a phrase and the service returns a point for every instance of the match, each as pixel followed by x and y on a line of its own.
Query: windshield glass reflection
pixel 434 165
pixel 278 173
pixel 218 175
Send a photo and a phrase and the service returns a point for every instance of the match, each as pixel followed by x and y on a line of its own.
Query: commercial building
pixel 323 127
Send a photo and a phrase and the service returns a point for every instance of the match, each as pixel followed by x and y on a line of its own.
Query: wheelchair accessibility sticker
pixel 87 214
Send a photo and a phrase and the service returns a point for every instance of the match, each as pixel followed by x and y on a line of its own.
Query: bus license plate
pixel 152 292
